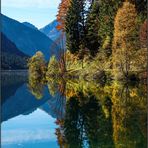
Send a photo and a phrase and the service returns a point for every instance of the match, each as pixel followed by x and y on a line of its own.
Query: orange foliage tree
pixel 61 16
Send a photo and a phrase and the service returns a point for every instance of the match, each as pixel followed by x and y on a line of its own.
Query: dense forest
pixel 11 56
pixel 105 39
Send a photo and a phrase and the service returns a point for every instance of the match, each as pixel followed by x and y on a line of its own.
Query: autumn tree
pixel 143 34
pixel 129 116
pixel 60 133
pixel 53 68
pixel 61 18
pixel 125 40
pixel 62 12
pixel 141 7
pixel 142 53
pixel 37 65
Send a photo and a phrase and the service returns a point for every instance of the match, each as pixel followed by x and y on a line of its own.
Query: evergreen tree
pixel 107 12
pixel 75 25
pixel 100 25
pixel 92 28
pixel 72 27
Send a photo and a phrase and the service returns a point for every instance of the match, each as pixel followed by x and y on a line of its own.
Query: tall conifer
pixel 75 25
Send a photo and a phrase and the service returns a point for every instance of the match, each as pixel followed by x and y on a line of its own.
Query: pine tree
pixel 107 12
pixel 92 28
pixel 74 25
pixel 100 25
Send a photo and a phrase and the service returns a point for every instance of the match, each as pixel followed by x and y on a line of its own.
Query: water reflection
pixel 87 114
pixel 129 116
pixel 104 116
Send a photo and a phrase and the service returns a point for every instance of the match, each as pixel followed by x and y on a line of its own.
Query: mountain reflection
pixel 87 114
pixel 10 81
pixel 21 96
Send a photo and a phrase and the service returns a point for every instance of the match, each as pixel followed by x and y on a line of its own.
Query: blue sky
pixel 37 12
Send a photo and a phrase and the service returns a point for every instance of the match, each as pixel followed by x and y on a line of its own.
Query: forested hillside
pixel 11 56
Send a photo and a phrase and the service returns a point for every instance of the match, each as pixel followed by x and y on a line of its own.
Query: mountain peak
pixel 30 25
pixel 51 31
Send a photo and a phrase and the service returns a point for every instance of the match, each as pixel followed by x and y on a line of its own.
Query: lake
pixel 72 113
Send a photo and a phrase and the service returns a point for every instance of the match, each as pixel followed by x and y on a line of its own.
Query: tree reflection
pixel 92 115
pixel 60 134
pixel 110 116
pixel 85 122
pixel 129 116
pixel 57 103
pixel 36 86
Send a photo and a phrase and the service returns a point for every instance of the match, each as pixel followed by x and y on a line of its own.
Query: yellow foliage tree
pixel 37 66
pixel 125 40
pixel 53 68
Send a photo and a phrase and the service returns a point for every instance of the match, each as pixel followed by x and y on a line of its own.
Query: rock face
pixel 27 39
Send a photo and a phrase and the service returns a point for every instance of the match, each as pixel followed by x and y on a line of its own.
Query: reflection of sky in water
pixel 37 127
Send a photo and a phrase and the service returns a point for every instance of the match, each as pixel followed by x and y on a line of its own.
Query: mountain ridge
pixel 28 40
pixel 30 25
pixel 51 31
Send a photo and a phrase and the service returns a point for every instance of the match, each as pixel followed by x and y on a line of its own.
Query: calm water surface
pixel 71 114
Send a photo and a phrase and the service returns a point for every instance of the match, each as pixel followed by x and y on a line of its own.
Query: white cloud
pixel 20 136
pixel 30 3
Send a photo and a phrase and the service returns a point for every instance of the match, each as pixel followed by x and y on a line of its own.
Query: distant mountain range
pixel 27 38
pixel 57 36
pixel 51 31
pixel 11 56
